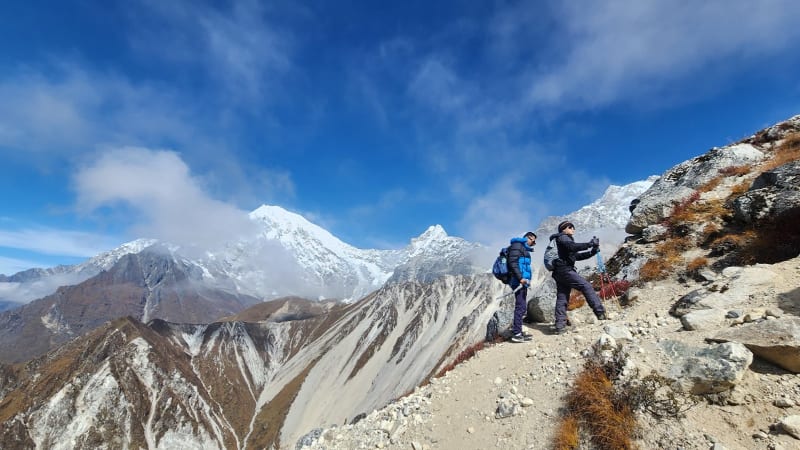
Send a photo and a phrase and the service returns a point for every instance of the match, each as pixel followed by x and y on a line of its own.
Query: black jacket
pixel 570 251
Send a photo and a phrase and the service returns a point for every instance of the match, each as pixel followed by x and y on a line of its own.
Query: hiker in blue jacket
pixel 567 278
pixel 519 268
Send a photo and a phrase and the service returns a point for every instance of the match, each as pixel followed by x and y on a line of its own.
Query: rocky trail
pixel 510 395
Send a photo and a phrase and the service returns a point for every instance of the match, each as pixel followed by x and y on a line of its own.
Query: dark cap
pixel 531 234
pixel 563 225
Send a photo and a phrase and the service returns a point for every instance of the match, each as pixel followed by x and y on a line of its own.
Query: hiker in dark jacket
pixel 567 278
pixel 519 268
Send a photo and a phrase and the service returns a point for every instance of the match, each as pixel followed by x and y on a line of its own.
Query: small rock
pixel 525 402
pixel 774 312
pixel 784 402
pixel 471 430
pixel 791 425
pixel 733 314
pixel 498 381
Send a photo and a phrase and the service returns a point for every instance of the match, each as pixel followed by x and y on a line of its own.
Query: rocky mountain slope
pixel 709 337
pixel 717 333
pixel 241 384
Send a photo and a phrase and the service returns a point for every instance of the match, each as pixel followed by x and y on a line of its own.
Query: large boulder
pixel 774 195
pixel 681 181
pixel 777 341
pixel 706 370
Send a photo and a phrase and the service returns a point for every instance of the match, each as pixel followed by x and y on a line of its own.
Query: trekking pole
pixel 509 293
pixel 601 267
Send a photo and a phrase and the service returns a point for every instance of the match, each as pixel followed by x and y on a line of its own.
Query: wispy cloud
pixel 621 51
pixel 238 47
pixel 51 241
pixel 168 203
pixel 72 110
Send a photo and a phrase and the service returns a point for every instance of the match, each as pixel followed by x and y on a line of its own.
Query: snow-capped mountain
pixel 605 218
pixel 608 212
pixel 31 284
pixel 289 256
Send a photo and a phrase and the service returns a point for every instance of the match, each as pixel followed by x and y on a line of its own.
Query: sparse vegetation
pixel 735 171
pixel 465 354
pixel 592 406
pixel 696 264
pixel 576 300
pixel 604 405
pixel 788 150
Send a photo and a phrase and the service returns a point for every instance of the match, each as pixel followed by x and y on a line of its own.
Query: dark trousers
pixel 566 281
pixel 520 307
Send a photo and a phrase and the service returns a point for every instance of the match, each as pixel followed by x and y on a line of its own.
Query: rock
pixel 682 180
pixel 734 314
pixel 791 425
pixel 618 332
pixel 774 195
pixel 707 370
pixel 655 233
pixel 777 341
pixel 705 319
pixel 542 305
pixel 707 274
pixel 506 408
pixel 774 312
pixel 783 402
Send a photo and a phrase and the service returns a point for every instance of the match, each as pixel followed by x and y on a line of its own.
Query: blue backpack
pixel 500 267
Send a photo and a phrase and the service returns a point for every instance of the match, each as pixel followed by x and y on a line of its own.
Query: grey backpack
pixel 550 255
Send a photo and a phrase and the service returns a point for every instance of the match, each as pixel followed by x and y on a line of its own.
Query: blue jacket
pixel 519 261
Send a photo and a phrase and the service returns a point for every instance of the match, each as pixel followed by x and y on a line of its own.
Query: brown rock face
pixel 145 286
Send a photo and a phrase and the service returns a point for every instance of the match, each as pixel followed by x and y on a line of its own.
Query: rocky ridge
pixel 713 316
pixel 510 395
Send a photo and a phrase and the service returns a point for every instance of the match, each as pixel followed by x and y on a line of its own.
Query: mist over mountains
pixel 293 256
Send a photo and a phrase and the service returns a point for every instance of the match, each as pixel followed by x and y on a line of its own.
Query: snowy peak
pixel 282 225
pixel 434 232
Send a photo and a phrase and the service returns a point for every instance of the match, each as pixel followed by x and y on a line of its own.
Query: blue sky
pixel 173 119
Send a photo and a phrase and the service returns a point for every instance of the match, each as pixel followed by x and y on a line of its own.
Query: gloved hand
pixel 595 242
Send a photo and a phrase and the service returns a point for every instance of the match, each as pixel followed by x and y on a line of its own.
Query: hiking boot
pixel 527 336
pixel 602 316
pixel 518 338
pixel 561 330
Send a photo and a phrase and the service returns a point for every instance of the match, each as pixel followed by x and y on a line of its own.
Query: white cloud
pixel 621 50
pixel 72 110
pixel 506 210
pixel 50 241
pixel 168 203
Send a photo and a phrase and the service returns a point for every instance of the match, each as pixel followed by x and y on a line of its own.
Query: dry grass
pixel 739 189
pixel 697 264
pixel 576 300
pixel 669 254
pixel 787 151
pixel 465 354
pixel 590 406
pixel 567 437
pixel 735 171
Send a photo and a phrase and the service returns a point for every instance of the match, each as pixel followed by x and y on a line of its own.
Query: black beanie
pixel 563 225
